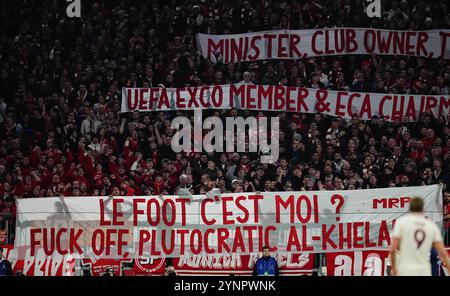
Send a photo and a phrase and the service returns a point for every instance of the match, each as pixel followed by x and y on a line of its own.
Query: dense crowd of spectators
pixel 61 133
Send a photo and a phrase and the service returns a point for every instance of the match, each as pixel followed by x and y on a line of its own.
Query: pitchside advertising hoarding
pixel 222 234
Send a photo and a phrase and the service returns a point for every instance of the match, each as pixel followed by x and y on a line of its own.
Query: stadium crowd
pixel 61 133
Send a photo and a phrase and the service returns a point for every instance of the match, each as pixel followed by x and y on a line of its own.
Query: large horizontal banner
pixel 284 98
pixel 298 44
pixel 242 223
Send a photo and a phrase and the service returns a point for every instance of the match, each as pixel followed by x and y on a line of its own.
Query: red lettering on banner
pixel 399 43
pixel 249 230
pixel 192 91
pixel 180 100
pixel 73 240
pixel 384 234
pixel 267 238
pixel 302 95
pixel 411 108
pixel 269 38
pixel 370 47
pixel 238 242
pixel 420 47
pixel 444 104
pixel 171 204
pixel 121 242
pixel 154 95
pixel 293 240
pixel 243 209
pixel 444 36
pixel 357 239
pixel 236 50
pixel 183 202
pixel 294 39
pixel 217 92
pixel 164 239
pixel 142 101
pixel 327 43
pixel 345 237
pixel 289 101
pixel 381 106
pixel 164 99
pixel 339 106
pixel 192 243
pixel 410 43
pixel 245 54
pixel 208 250
pixel 49 248
pixel 279 98
pixel 287 205
pixel 316 208
pixel 256 198
pixel 339 41
pixel 136 211
pixel 397 111
pixel 132 104
pixel 368 243
pixel 350 35
pixel 203 211
pixel 214 47
pixel 225 213
pixel 350 103
pixel 313 42
pixel 204 89
pixel 236 91
pixel 326 240
pixel 149 212
pixel 383 44
pixel 265 95
pixel 255 48
pixel 306 247
pixel 116 214
pixel 431 103
pixel 101 244
pixel 282 50
pixel 300 208
pixel 250 100
pixel 182 233
pixel 58 239
pixel 366 107
pixel 222 236
pixel 144 237
pixel 103 222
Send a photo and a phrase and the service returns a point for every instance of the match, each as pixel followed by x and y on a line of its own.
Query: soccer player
pixel 414 236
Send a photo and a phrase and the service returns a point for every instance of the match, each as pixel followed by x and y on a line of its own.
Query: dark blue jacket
pixel 266 266
pixel 5 267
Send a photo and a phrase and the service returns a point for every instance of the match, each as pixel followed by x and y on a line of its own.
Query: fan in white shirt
pixel 413 237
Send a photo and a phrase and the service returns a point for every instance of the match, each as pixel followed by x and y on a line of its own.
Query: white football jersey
pixel 417 235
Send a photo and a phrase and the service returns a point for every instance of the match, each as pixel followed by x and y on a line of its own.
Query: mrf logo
pixel 373 9
pixel 74 8
pixel 389 203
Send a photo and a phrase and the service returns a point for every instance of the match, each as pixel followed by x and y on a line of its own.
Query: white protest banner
pixel 284 98
pixel 172 226
pixel 298 44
